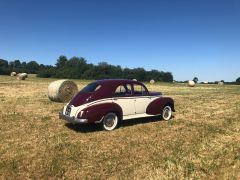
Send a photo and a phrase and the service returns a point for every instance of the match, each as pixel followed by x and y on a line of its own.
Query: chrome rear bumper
pixel 72 120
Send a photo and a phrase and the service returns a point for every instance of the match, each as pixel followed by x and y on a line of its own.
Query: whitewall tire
pixel 167 113
pixel 110 121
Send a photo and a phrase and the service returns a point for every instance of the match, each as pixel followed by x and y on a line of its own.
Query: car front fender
pixel 156 106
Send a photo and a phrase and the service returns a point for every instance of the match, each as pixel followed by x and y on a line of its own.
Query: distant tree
pixel 11 64
pixel 195 79
pixel 17 64
pixel 46 72
pixel 77 67
pixel 140 74
pixel 90 72
pixel 104 71
pixel 3 63
pixel 103 64
pixel 4 69
pixel 32 67
pixel 61 61
pixel 238 80
pixel 24 64
pixel 128 74
pixel 167 77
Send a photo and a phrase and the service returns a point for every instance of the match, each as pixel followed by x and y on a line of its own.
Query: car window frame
pixel 125 84
pixel 144 87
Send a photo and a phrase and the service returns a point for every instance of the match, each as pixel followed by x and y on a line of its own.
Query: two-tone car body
pixel 110 101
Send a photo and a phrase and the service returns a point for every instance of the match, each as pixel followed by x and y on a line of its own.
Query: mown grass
pixel 201 141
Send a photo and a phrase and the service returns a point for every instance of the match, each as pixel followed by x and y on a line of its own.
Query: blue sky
pixel 188 37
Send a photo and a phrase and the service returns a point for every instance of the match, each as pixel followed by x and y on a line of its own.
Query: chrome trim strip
pixel 115 98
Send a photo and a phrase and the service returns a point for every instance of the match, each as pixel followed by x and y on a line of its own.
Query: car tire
pixel 110 121
pixel 167 113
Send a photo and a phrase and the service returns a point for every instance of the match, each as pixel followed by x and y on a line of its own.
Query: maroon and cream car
pixel 110 101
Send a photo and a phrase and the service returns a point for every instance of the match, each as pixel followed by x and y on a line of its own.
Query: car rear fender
pixel 95 113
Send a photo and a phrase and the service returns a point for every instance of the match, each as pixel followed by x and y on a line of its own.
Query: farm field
pixel 201 141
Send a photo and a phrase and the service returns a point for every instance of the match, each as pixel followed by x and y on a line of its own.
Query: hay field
pixel 202 140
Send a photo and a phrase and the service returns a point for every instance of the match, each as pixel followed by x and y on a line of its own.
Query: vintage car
pixel 110 101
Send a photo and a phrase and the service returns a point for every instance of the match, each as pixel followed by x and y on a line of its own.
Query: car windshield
pixel 91 88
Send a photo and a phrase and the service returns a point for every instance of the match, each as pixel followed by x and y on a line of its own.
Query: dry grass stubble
pixel 201 141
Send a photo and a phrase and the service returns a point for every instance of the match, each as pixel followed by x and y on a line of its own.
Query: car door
pixel 142 98
pixel 123 96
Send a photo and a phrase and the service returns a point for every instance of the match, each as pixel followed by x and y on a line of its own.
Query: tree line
pixel 78 68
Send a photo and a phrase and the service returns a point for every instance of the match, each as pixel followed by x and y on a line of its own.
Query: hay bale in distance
pixel 22 76
pixel 62 90
pixel 13 74
pixel 134 79
pixel 220 83
pixel 191 83
pixel 152 81
pixel 205 82
pixel 25 75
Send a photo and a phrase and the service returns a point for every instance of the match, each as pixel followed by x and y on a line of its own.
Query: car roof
pixel 116 82
pixel 109 86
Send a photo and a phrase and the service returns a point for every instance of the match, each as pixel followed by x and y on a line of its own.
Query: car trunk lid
pixel 80 99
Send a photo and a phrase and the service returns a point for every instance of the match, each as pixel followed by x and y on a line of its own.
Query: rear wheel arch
pixel 171 105
pixel 118 114
pixel 98 111
pixel 117 110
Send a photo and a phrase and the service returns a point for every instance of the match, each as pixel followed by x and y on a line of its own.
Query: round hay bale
pixel 62 90
pixel 191 83
pixel 22 76
pixel 13 74
pixel 220 83
pixel 25 75
pixel 152 81
pixel 134 79
pixel 205 82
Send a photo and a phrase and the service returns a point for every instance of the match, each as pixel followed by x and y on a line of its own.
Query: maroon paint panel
pixel 156 107
pixel 96 112
pixel 80 99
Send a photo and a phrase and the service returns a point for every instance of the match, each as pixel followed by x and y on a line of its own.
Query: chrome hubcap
pixel 110 120
pixel 167 113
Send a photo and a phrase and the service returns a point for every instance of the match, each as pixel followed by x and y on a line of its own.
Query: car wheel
pixel 167 113
pixel 110 121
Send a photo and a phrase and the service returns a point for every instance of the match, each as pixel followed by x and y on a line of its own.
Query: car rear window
pixel 91 87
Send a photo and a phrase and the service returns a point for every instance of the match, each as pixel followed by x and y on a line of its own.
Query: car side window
pixel 123 90
pixel 139 90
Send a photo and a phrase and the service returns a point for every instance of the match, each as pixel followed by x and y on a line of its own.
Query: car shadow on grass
pixel 132 122
pixel 83 128
pixel 86 128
